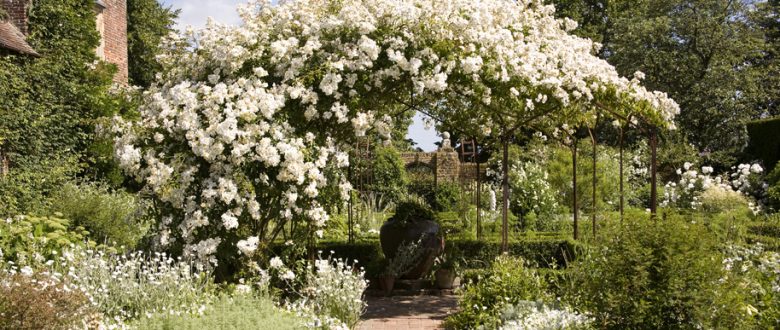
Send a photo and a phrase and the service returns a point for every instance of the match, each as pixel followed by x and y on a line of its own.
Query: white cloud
pixel 195 12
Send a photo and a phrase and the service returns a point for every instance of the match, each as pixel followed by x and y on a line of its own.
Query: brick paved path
pixel 407 312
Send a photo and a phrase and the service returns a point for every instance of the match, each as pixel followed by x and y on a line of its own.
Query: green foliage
pixel 507 282
pixel 717 200
pixel 22 237
pixel 758 270
pixel 49 104
pixel 424 187
pixel 236 312
pixel 147 23
pixel 111 217
pixel 364 253
pixel 544 250
pixel 773 190
pixel 765 229
pixel 412 210
pixel 389 174
pixel 26 190
pixel 559 169
pixel 653 275
pixel 766 232
pixel 764 144
pixel 28 303
pixel 694 50
pixel 765 18
pixel 446 196
pixel 550 251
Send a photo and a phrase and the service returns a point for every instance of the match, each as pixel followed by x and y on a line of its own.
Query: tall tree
pixel 147 23
pixel 768 19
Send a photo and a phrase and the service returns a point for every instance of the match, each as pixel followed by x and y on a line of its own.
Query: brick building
pixel 111 19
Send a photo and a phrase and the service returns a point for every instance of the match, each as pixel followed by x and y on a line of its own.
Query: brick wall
pixel 115 33
pixel 17 12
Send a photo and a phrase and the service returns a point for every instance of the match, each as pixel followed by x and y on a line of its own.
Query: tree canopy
pixel 147 23
pixel 711 56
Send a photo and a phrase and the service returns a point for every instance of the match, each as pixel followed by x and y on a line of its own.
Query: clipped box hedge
pixel 764 141
pixel 765 229
pixel 543 251
pixel 769 243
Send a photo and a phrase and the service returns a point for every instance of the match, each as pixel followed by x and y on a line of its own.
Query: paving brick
pixel 407 312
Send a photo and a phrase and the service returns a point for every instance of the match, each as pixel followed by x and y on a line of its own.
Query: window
pixel 100 23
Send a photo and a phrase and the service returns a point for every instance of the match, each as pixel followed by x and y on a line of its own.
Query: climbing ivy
pixel 49 105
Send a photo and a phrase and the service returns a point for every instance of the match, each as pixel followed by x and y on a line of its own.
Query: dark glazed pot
pixel 392 234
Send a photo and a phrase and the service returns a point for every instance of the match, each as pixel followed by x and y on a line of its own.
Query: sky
pixel 195 12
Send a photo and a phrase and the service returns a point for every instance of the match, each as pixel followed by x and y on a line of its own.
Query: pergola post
pixel 593 206
pixel 479 195
pixel 622 196
pixel 574 187
pixel 653 172
pixel 505 207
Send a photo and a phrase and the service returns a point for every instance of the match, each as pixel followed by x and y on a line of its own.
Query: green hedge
pixel 769 243
pixel 765 229
pixel 543 251
pixel 764 143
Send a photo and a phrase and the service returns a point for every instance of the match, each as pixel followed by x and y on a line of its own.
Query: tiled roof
pixel 13 39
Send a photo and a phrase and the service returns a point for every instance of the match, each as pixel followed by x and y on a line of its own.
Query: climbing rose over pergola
pixel 246 128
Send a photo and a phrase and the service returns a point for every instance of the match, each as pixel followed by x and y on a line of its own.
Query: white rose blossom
pixel 244 117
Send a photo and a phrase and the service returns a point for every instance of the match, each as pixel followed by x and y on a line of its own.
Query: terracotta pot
pixel 392 235
pixel 444 278
pixel 386 283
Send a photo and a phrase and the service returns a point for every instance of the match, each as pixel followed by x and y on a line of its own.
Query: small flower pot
pixel 444 278
pixel 386 283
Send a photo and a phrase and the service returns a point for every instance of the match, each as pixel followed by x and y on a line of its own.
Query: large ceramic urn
pixel 393 233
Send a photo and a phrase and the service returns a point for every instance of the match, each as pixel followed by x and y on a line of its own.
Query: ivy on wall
pixel 49 105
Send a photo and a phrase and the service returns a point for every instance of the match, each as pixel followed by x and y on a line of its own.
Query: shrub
pixel 242 311
pixel 759 272
pixel 26 190
pixel 411 210
pixel 508 282
pixel 545 250
pixel 718 200
pixel 336 290
pixel 773 188
pixel 40 302
pixel 559 170
pixel 29 239
pixel 329 295
pixel 124 287
pixel 531 315
pixel 654 275
pixel 112 217
pixel 765 229
pixel 424 187
pixel 446 196
pixel 542 251
pixel 763 140
pixel 389 174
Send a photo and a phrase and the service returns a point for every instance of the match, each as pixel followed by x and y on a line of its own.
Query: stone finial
pixel 445 143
